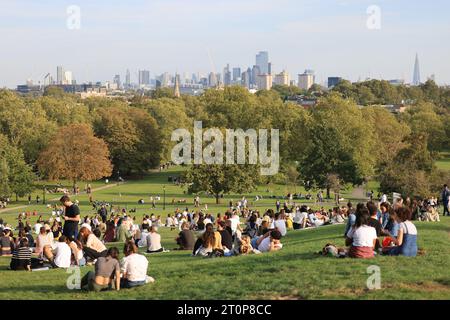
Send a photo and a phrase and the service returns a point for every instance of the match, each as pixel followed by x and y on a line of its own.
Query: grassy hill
pixel 296 272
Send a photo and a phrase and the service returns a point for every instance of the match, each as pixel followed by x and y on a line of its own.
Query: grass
pixel 444 161
pixel 295 272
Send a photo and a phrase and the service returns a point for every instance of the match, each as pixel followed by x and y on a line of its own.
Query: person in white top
pixel 154 241
pixel 142 243
pixel 235 223
pixel 269 242
pixel 361 237
pixel 300 219
pixel 134 267
pixel 280 223
pixel 62 253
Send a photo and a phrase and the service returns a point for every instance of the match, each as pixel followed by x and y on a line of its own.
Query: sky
pixel 331 37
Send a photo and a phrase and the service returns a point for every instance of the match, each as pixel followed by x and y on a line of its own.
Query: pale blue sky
pixel 329 36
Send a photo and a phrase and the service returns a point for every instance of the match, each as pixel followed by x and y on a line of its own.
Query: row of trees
pixel 337 142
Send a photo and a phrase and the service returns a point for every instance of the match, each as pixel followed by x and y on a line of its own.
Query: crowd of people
pixel 66 239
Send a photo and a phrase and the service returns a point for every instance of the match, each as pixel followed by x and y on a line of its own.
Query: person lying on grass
pixel 106 275
pixel 361 238
pixel 269 242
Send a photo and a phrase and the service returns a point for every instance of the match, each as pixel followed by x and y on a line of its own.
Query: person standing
pixel 445 199
pixel 71 217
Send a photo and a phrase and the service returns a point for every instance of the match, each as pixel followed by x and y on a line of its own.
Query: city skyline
pixel 330 37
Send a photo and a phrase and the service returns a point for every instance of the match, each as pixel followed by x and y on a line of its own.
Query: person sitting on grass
pixel 269 242
pixel 205 243
pixel 62 254
pixel 154 241
pixel 6 242
pixel 134 267
pixel 251 228
pixel 106 275
pixel 406 242
pixel 123 232
pixel 225 234
pixel 186 237
pixel 280 223
pixel 392 225
pixel 361 238
pixel 21 259
pixel 93 248
pixel 263 228
pixel 44 242
pixel 374 222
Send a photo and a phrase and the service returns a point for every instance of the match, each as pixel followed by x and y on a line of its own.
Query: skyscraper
pixel 67 77
pixel 144 77
pixel 59 75
pixel 128 79
pixel 265 82
pixel 416 75
pixel 236 74
pixel 116 81
pixel 256 71
pixel 262 61
pixel 227 75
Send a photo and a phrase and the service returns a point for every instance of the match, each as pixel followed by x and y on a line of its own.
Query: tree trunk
pixel 217 198
pixel 328 193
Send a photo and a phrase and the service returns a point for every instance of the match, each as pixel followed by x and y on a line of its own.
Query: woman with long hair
pixel 361 238
pixel 92 246
pixel 406 241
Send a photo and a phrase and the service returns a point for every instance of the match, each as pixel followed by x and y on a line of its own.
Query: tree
pixel 16 176
pixel 218 179
pixel 340 142
pixel 75 154
pixel 132 136
pixel 412 172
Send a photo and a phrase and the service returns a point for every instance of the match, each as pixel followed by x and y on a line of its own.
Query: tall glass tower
pixel 416 75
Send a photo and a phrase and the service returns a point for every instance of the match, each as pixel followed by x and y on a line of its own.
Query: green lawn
pixel 295 272
pixel 444 162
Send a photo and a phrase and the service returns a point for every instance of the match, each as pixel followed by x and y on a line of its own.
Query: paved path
pixel 55 199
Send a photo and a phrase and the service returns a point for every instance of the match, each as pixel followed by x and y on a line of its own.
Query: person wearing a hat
pixel 71 217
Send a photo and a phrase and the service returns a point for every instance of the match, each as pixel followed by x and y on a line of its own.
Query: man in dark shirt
pixel 186 238
pixel 227 239
pixel 71 217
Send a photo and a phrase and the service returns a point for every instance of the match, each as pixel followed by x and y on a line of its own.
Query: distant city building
pixel 212 80
pixel 246 77
pixel 165 78
pixel 262 61
pixel 306 80
pixel 265 82
pixel 144 77
pixel 333 81
pixel 397 82
pixel 237 74
pixel 282 78
pixel 256 71
pixel 59 75
pixel 127 79
pixel 117 81
pixel 68 78
pixel 416 75
pixel 226 75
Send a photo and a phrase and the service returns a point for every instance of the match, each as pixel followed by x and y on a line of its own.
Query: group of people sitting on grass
pixel 384 229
